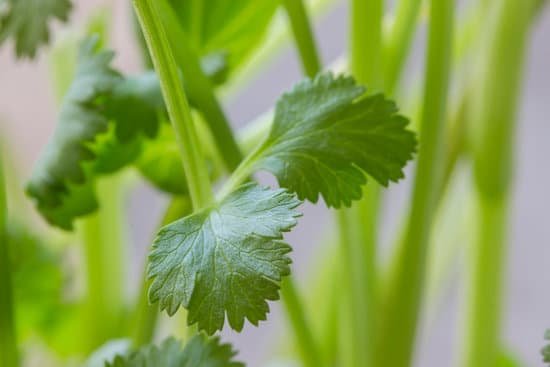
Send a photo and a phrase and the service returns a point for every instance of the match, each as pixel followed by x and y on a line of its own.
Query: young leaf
pixel 200 351
pixel 327 134
pixel 27 22
pixel 85 143
pixel 229 28
pixel 225 260
pixel 160 162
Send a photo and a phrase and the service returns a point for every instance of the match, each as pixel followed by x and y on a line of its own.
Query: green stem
pixel 358 273
pixel 398 40
pixel 405 288
pixel 366 42
pixel 9 356
pixel 199 86
pixel 103 238
pixel 179 111
pixel 303 333
pixel 303 36
pixel 494 119
pixel 358 225
pixel 145 318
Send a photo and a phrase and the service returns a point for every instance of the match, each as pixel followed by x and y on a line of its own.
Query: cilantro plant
pixel 219 259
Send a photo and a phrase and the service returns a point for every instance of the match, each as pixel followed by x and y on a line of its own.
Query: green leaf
pixel 102 119
pixel 38 283
pixel 27 22
pixel 220 27
pixel 327 135
pixel 225 260
pixel 546 350
pixel 160 162
pixel 200 351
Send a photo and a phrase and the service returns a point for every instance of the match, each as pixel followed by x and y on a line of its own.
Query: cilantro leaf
pixel 327 135
pixel 101 117
pixel 200 351
pixel 225 260
pixel 27 22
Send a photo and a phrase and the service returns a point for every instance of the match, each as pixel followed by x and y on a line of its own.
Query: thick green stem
pixel 199 86
pixel 9 356
pixel 303 35
pixel 493 120
pixel 358 225
pixel 303 333
pixel 366 42
pixel 196 171
pixel 102 235
pixel 359 276
pixel 398 40
pixel 405 288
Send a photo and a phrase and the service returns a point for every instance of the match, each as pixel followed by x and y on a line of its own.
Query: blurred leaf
pixel 200 351
pixel 546 350
pixel 160 162
pixel 230 28
pixel 38 283
pixel 27 22
pixel 102 119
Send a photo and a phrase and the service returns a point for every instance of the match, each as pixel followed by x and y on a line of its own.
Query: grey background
pixel 27 117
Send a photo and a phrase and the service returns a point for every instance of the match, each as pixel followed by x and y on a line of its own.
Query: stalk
pixel 405 288
pixel 307 345
pixel 357 225
pixel 199 86
pixel 398 40
pixel 303 36
pixel 494 117
pixel 179 111
pixel 9 355
pixel 102 236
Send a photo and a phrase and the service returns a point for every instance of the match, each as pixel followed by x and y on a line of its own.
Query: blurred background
pixel 28 116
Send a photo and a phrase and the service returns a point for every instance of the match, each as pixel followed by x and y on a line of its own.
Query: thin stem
pixel 398 41
pixel 494 118
pixel 303 333
pixel 9 356
pixel 199 86
pixel 241 174
pixel 406 284
pixel 303 36
pixel 196 171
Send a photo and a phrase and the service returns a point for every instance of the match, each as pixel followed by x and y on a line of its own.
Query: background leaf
pixel 102 119
pixel 200 351
pixel 229 29
pixel 27 22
